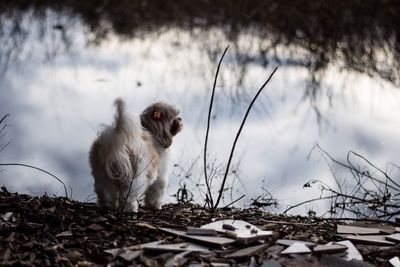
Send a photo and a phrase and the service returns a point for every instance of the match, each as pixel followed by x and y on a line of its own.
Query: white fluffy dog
pixel 129 158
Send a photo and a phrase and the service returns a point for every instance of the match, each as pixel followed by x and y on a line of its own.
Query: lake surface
pixel 58 93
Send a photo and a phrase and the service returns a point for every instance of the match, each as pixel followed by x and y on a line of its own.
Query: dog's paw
pixel 131 207
pixel 153 205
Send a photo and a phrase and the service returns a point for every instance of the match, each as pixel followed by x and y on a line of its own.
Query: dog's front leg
pixel 155 192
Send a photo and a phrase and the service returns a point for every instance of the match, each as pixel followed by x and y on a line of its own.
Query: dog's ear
pixel 151 117
pixel 157 115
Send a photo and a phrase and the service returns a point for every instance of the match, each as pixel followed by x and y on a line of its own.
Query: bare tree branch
pixel 233 202
pixel 4 117
pixel 372 196
pixel 307 201
pixel 237 137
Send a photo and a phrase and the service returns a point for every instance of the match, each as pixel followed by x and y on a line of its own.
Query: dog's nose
pixel 179 119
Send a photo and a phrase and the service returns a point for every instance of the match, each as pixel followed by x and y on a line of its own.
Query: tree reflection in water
pixel 360 36
pixel 355 35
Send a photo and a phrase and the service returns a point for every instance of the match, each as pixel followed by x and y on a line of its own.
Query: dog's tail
pixel 120 144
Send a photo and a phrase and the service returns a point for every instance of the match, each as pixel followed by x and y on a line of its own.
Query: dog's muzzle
pixel 176 126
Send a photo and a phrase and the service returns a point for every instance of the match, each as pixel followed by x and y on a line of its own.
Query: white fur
pixel 127 161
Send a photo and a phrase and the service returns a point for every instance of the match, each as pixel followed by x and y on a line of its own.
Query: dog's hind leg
pixel 106 194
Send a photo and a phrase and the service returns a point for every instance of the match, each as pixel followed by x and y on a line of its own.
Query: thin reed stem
pixel 237 137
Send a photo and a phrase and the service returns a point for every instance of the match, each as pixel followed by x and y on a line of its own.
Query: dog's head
pixel 162 120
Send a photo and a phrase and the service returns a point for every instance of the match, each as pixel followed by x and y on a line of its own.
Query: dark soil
pixel 55 231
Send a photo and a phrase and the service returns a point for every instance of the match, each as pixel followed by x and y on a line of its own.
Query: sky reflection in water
pixel 57 104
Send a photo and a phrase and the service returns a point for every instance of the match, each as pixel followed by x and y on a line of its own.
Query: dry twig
pixel 39 169
pixel 372 195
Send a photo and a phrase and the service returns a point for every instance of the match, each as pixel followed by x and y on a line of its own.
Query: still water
pixel 58 93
